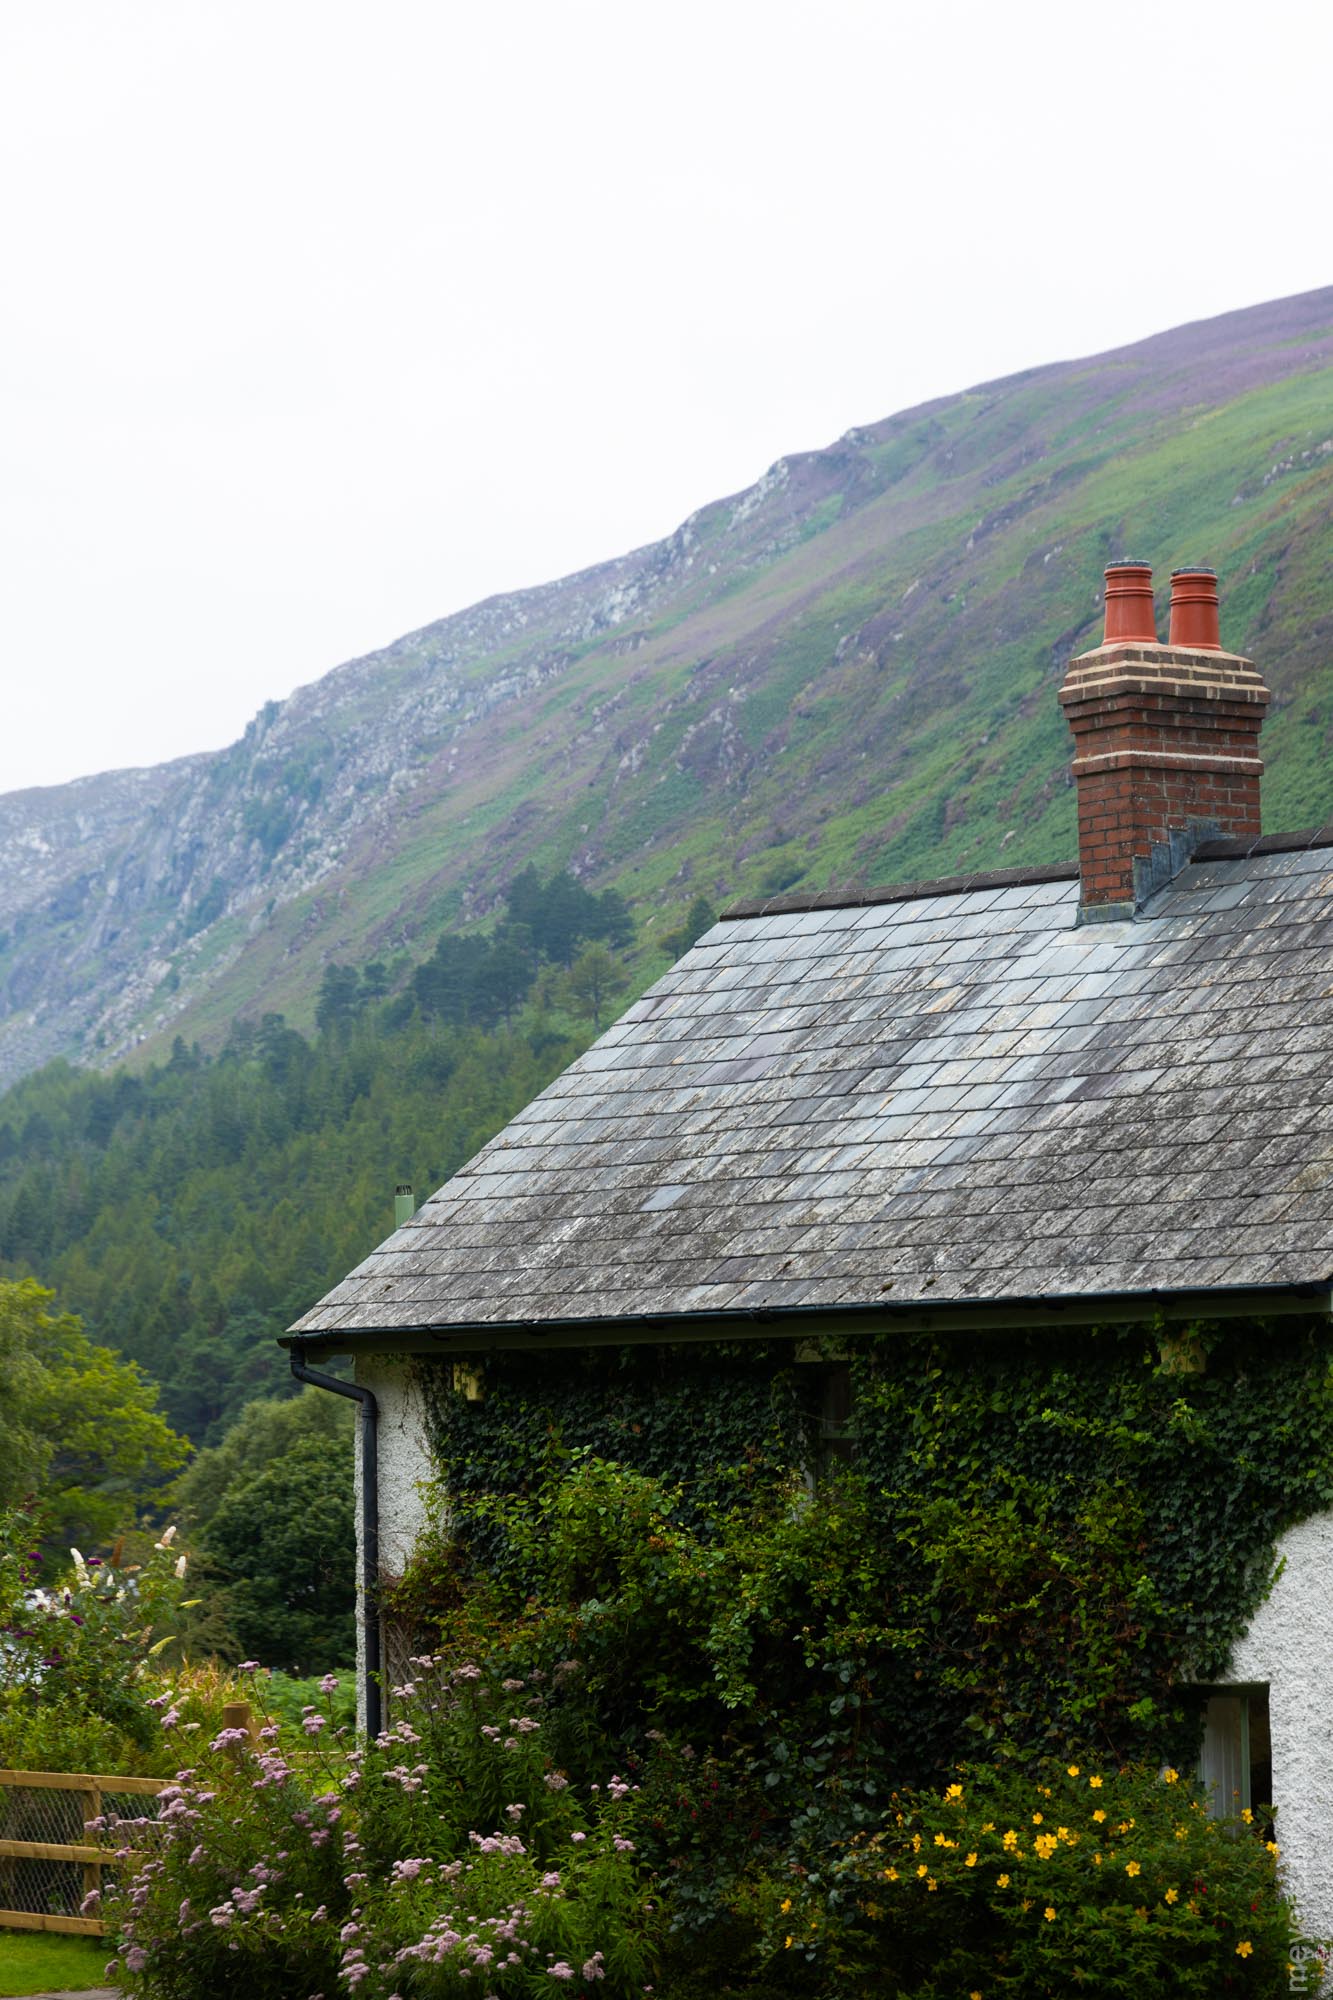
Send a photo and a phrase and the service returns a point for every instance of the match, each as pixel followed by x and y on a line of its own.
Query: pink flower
pixel 560 1970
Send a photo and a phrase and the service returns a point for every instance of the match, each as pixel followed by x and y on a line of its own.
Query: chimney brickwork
pixel 1165 753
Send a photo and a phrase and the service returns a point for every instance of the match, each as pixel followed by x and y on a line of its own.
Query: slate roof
pixel 935 1096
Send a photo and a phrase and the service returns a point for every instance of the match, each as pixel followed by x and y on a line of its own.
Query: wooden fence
pixel 43 1881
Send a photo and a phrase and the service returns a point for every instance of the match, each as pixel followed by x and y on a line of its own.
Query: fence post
pixel 238 1715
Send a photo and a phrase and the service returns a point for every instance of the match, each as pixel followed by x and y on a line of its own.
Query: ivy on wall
pixel 1040 1541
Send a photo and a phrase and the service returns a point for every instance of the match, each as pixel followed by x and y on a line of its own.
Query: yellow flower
pixel 786 1944
pixel 1073 1770
pixel 1062 1833
pixel 785 1905
pixel 1099 1815
pixel 922 1870
pixel 1096 1860
pixel 1273 1848
pixel 1247 1815
pixel 1036 1819
pixel 1182 1833
pixel 1009 1839
pixel 954 1792
pixel 971 1861
pixel 1171 1777
pixel 1172 1896
pixel 1244 1949
pixel 975 1994
pixel 1002 1881
pixel 890 1874
pixel 1027 1902
pixel 1096 1784
pixel 1045 1845
pixel 916 1843
pixel 1050 1914
pixel 940 1841
pixel 1132 1868
pixel 932 1883
pixel 989 1827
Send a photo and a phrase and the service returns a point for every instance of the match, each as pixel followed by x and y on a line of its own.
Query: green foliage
pixel 700 917
pixel 1077 1529
pixel 264 1432
pixel 1042 1541
pixel 453 1847
pixel 191 1213
pixel 283 1546
pixel 1060 1881
pixel 74 1656
pixel 75 1420
pixel 593 978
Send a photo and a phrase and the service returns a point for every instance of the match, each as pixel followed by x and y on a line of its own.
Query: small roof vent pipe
pixel 404 1205
pixel 1195 618
pixel 1129 612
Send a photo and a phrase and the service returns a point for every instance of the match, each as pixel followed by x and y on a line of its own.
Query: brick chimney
pixel 1166 740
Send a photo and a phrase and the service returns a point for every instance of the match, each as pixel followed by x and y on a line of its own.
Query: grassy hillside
pixel 877 701
pixel 846 674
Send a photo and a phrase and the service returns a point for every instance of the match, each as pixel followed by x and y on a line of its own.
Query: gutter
pixel 370 1527
pixel 945 1315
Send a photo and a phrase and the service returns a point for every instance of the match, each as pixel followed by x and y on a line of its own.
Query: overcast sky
pixel 322 320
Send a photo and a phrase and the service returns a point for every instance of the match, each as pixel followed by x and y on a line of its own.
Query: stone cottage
pixel 1064 1096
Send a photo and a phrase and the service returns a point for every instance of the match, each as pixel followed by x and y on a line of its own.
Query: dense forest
pixel 190 1212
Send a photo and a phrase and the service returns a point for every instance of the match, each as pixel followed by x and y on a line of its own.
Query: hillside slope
pixel 844 674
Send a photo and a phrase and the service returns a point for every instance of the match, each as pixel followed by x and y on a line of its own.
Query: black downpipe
pixel 370 1525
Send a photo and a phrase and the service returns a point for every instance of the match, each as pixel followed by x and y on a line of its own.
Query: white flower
pixel 181 1562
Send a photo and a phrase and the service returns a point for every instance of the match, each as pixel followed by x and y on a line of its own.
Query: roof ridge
pixel 903 892
pixel 1266 843
pixel 1013 878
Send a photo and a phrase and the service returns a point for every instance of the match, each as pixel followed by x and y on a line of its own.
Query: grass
pixel 49 1962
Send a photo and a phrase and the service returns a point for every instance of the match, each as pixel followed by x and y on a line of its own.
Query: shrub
pixel 450 1849
pixel 76 1656
pixel 1068 1882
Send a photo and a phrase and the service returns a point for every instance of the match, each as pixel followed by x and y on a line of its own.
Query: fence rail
pixel 45 1877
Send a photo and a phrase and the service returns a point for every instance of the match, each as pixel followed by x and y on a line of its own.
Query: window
pixel 1236 1759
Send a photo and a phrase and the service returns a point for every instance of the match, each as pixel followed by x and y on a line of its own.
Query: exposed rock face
pixel 847 669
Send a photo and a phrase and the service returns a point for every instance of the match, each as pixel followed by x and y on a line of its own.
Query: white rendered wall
pixel 1290 1645
pixel 404 1463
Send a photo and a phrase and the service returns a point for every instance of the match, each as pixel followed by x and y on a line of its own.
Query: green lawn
pixel 46 1962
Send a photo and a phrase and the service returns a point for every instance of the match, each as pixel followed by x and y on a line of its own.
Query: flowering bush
pixel 75 1656
pixel 1076 1881
pixel 449 1857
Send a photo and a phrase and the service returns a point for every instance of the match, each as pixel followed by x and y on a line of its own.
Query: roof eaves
pixel 949 1315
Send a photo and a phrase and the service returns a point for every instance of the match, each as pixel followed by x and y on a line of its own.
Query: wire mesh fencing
pixel 50 1858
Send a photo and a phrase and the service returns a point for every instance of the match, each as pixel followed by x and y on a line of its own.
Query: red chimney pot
pixel 1195 621
pixel 1129 612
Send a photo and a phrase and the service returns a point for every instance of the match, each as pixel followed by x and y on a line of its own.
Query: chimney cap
pixel 1195 569
pixel 1129 562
